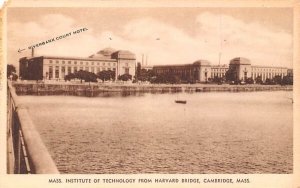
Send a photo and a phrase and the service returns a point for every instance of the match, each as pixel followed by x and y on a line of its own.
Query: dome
pixel 201 62
pixel 97 56
pixel 240 61
pixel 106 52
pixel 124 54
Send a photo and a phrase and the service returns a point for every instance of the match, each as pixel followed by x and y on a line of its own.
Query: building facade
pixel 218 71
pixel 199 71
pixel 242 69
pixel 239 67
pixel 57 67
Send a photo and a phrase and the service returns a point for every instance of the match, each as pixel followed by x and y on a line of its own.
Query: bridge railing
pixel 27 153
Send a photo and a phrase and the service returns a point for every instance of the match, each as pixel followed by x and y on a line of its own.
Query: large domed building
pixel 239 68
pixel 57 67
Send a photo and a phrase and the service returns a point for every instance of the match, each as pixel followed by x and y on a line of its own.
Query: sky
pixel 164 35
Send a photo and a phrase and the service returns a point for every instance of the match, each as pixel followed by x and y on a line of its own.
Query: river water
pixel 249 132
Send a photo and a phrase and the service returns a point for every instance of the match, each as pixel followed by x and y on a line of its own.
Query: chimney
pixel 32 52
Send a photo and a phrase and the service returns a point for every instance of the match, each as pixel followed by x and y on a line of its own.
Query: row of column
pixel 217 74
pixel 267 75
pixel 62 73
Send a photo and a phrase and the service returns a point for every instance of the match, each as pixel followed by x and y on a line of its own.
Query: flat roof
pixel 262 66
pixel 74 58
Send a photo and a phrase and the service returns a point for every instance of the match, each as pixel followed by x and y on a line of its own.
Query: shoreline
pixel 92 89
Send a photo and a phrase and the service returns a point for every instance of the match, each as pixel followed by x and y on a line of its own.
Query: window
pixel 75 69
pixel 114 69
pixel 98 69
pixel 108 64
pixel 81 62
pixel 86 63
pixel 56 71
pixel 92 63
pixel 126 70
pixel 114 64
pixel 63 62
pixel 97 63
pixel 87 68
pixel 50 61
pixel 93 69
pixel 50 72
pixel 103 64
pixel 69 62
pixel 69 70
pixel 80 68
pixel 63 69
pixel 75 62
pixel 57 61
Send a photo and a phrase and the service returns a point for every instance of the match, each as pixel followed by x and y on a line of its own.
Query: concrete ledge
pixel 40 161
pixel 37 151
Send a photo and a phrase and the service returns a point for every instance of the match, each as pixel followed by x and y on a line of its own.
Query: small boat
pixel 180 101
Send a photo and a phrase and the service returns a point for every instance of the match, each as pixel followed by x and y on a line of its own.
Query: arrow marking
pixel 20 50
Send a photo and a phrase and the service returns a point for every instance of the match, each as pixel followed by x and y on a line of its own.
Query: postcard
pixel 150 94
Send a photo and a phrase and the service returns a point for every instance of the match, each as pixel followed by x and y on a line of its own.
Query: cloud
pixel 253 40
pixel 163 43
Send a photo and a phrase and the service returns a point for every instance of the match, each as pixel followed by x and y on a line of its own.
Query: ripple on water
pixel 212 133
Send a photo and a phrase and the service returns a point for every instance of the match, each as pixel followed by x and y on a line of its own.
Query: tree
pixel 11 72
pixel 146 75
pixel 269 81
pixel 258 80
pixel 82 75
pixel 230 75
pixel 70 76
pixel 217 80
pixel 166 78
pixel 249 81
pixel 277 79
pixel 287 80
pixel 138 71
pixel 14 77
pixel 90 77
pixel 125 77
pixel 106 75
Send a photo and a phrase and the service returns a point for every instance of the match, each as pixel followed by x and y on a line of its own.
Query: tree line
pixel 105 75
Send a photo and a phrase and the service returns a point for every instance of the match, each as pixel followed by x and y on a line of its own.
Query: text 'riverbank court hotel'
pixel 241 68
pixel 57 67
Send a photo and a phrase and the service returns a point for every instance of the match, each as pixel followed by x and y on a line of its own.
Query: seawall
pixel 95 89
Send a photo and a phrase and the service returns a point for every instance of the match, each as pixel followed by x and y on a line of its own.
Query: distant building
pixel 243 69
pixel 199 71
pixel 147 67
pixel 240 68
pixel 57 67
